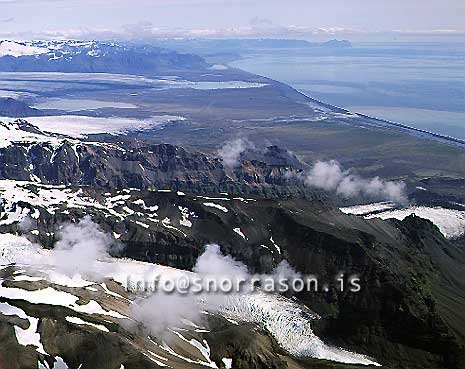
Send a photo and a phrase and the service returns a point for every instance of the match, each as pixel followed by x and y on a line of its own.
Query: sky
pixel 309 19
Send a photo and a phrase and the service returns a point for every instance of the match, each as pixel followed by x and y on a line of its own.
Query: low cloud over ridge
pixel 329 176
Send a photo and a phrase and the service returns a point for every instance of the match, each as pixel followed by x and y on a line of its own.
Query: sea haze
pixel 419 84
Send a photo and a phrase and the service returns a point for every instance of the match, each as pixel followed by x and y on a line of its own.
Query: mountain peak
pixel 10 107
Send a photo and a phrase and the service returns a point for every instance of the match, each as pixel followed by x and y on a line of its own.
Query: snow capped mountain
pixel 17 49
pixel 55 49
pixel 91 56
pixel 20 132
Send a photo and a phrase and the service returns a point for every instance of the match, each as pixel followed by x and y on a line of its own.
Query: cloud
pixel 257 21
pixel 213 262
pixel 285 271
pixel 257 28
pixel 79 246
pixel 161 311
pixel 330 176
pixel 231 152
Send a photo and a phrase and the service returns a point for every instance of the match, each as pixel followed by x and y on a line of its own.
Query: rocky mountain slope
pixel 28 154
pixel 87 326
pixel 15 109
pixel 410 274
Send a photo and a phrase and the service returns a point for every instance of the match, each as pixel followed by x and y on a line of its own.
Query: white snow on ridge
pixel 216 206
pixel 275 245
pixel 450 222
pixel 21 199
pixel 51 48
pixel 48 197
pixel 16 49
pixel 51 296
pixel 11 133
pixel 81 126
pixel 368 208
pixel 204 350
pixel 18 198
pixel 79 321
pixel 27 336
pixel 227 362
pixel 240 233
pixel 185 213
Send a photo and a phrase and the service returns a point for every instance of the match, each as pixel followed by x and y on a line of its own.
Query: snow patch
pixel 227 362
pixel 17 49
pixel 27 336
pixel 450 222
pixel 216 206
pixel 275 245
pixel 240 233
pixel 367 209
pixel 184 221
pixel 81 126
pixel 79 321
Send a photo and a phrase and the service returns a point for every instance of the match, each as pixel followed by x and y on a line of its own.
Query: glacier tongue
pixel 290 324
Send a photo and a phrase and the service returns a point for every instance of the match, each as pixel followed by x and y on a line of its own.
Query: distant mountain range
pixel 248 43
pixel 91 57
pixel 235 47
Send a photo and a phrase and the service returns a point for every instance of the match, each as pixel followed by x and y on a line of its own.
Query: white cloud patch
pixel 77 252
pixel 231 152
pixel 162 310
pixel 329 176
pixel 79 246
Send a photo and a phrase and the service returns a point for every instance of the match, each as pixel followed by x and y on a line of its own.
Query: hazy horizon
pixel 318 21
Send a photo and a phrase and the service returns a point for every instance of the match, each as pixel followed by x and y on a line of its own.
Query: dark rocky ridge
pixel 16 109
pixel 139 165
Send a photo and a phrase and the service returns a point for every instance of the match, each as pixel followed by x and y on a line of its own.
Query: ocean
pixel 418 84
